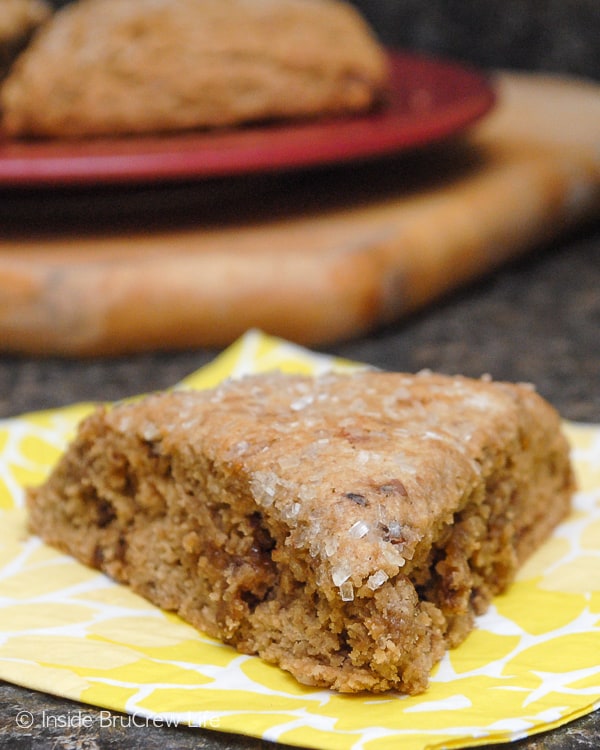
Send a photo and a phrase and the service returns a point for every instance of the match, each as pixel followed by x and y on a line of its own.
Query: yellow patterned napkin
pixel 532 663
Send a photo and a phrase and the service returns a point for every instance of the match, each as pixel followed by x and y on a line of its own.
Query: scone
pixel 18 20
pixel 345 527
pixel 105 67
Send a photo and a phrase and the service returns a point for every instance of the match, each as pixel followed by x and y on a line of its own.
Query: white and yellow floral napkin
pixel 533 662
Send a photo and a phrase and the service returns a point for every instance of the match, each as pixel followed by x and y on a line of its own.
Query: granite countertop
pixel 537 320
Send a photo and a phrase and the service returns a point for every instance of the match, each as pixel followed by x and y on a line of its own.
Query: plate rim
pixel 243 151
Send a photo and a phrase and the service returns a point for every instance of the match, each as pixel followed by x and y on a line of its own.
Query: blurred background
pixel 550 35
pixel 535 320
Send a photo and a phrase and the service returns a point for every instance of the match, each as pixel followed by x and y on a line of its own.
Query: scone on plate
pixel 345 527
pixel 106 67
pixel 18 20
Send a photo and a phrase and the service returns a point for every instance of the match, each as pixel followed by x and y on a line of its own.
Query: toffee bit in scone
pixel 356 498
pixel 392 532
pixel 106 67
pixel 394 485
pixel 348 528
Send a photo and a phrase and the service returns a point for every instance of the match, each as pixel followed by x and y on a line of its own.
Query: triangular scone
pixel 346 527
pixel 106 67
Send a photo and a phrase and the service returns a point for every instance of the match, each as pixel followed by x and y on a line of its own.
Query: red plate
pixel 428 100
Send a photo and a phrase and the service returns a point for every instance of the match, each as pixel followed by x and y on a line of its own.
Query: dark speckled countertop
pixel 537 321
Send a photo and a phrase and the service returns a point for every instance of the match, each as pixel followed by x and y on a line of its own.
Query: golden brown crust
pixel 348 528
pixel 135 66
pixel 18 20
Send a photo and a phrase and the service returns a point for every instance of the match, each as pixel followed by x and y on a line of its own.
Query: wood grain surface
pixel 317 256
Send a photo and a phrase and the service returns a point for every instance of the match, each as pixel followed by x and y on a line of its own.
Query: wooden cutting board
pixel 315 256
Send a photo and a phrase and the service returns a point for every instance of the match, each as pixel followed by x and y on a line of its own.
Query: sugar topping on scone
pixel 346 527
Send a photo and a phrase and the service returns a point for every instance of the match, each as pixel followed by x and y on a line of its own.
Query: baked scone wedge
pixel 112 67
pixel 347 527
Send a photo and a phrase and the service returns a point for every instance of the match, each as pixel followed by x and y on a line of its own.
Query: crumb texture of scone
pixel 347 527
pixel 106 67
pixel 18 21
